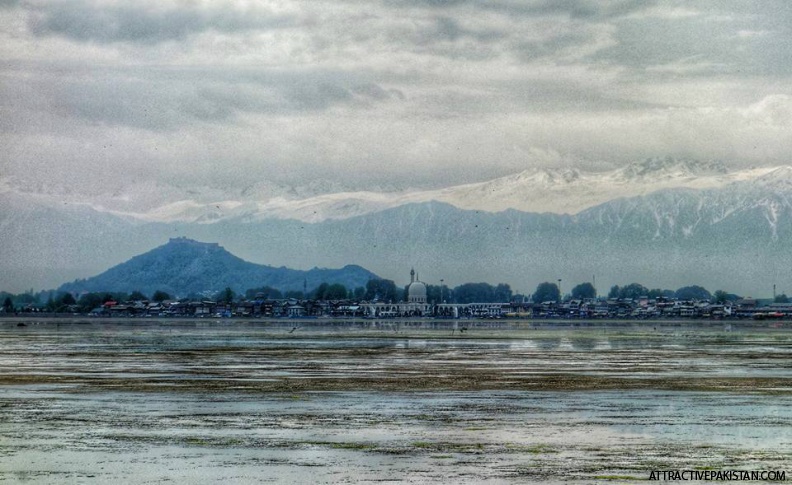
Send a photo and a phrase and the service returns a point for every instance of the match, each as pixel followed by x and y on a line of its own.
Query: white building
pixel 415 306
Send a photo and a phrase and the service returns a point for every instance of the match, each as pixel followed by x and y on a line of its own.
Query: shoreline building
pixel 415 306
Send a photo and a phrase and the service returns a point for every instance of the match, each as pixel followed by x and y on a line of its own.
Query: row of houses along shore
pixel 640 308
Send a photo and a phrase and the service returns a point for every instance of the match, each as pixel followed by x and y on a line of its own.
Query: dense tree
pixel 50 305
pixel 629 292
pixel 433 293
pixel 296 294
pixel 160 296
pixel 474 292
pixel 633 291
pixel 25 298
pixel 692 293
pixel 319 292
pixel 546 292
pixel 384 290
pixel 657 293
pixel 89 301
pixel 584 291
pixel 438 293
pixel 266 292
pixel 482 293
pixel 137 296
pixel 334 291
pixel 60 304
pixel 8 305
pixel 115 296
pixel 503 293
pixel 782 298
pixel 721 296
pixel 359 293
pixel 225 296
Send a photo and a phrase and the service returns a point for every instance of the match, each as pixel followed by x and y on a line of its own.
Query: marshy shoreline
pixel 248 401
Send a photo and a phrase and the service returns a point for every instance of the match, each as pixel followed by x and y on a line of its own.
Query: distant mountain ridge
pixel 553 190
pixel 538 190
pixel 722 231
pixel 184 266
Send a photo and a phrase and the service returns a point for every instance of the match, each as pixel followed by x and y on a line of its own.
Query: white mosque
pixel 418 306
pixel 415 306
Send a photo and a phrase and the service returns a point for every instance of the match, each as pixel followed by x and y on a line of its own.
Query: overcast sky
pixel 378 93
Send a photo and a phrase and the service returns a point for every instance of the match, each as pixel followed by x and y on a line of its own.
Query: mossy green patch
pixel 534 449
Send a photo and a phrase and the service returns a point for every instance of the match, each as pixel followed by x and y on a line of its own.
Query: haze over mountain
pixel 282 129
pixel 184 266
pixel 559 191
pixel 705 225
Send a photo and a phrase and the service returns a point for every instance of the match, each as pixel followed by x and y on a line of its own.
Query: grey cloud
pixel 450 29
pixel 86 22
pixel 167 99
pixel 317 94
pixel 138 103
pixel 584 9
pixel 426 3
pixel 571 8
pixel 565 97
pixel 533 50
pixel 460 35
pixel 375 92
pixel 446 36
pixel 716 45
pixel 459 114
pixel 568 96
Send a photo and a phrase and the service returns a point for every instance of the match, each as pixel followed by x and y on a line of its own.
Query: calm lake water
pixel 204 401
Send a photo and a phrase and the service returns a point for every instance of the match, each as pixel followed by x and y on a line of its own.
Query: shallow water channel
pixel 203 401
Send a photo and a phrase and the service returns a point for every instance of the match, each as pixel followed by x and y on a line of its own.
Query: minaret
pixel 412 275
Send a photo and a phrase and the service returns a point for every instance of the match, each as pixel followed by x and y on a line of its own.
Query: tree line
pixel 63 302
pixel 550 292
pixel 375 289
pixel 387 290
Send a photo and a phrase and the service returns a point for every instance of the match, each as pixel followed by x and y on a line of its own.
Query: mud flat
pixel 202 401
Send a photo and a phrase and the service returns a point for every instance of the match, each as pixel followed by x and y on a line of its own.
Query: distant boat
pixel 20 324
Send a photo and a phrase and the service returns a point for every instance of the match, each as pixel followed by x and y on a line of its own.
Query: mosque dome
pixel 416 292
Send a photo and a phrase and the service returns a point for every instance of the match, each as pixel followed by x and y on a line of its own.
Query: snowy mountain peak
pixel 542 190
pixel 778 178
pixel 548 176
pixel 669 167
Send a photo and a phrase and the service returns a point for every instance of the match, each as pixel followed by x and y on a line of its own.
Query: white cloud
pixel 774 110
pixel 420 93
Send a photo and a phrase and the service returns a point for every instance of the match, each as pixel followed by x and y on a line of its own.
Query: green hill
pixel 184 266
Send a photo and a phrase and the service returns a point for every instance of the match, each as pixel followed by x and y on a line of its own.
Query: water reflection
pixel 369 401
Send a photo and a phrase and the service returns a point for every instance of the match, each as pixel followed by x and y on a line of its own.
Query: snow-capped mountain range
pixel 558 191
pixel 660 222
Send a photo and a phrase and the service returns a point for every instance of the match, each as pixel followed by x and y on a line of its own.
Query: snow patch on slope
pixel 558 191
